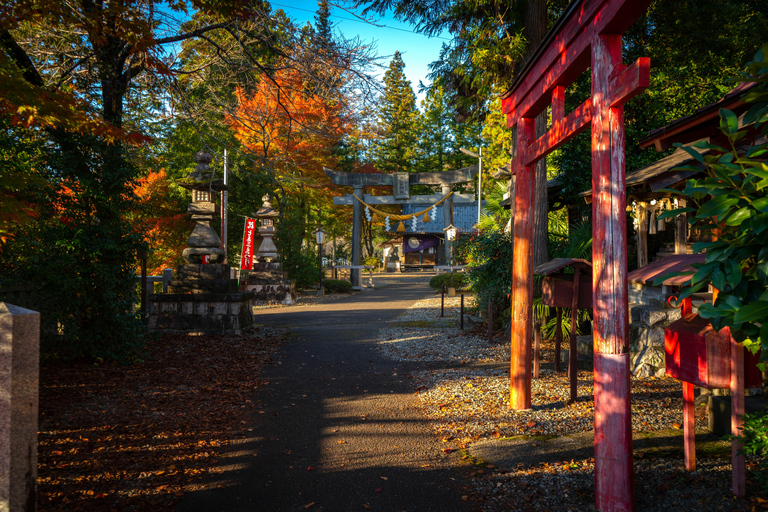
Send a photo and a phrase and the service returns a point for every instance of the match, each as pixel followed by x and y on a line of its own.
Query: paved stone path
pixel 341 428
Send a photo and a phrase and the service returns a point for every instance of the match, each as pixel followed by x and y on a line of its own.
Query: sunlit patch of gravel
pixel 660 485
pixel 471 402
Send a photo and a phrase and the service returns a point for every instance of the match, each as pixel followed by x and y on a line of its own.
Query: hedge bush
pixel 337 286
pixel 445 280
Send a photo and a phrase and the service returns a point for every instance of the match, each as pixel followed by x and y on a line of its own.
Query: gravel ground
pixel 466 399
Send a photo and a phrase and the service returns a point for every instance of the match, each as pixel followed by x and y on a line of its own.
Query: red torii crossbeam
pixel 589 34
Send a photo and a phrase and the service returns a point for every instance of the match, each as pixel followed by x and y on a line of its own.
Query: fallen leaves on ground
pixel 120 437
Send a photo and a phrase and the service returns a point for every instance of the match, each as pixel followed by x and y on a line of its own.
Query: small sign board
pixel 401 185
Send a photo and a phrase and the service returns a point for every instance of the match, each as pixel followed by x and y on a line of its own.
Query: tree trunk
pixel 535 20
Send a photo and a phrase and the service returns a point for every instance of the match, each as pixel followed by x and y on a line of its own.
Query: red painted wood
pixel 686 308
pixel 737 413
pixel 567 55
pixel 614 479
pixel 522 277
pixel 610 295
pixel 557 291
pixel 573 370
pixel 698 354
pixel 558 104
pixel 561 132
pixel 689 427
pixel 630 82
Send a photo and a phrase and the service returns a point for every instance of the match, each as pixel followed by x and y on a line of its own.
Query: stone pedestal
pixel 202 299
pixel 19 373
pixel 268 284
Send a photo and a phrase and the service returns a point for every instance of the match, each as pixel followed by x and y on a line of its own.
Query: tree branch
pixel 20 57
pixel 194 33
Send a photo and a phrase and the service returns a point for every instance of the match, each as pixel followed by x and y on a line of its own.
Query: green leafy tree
pixel 396 147
pixel 730 199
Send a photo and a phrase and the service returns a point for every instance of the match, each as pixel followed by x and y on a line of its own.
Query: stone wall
pixel 646 338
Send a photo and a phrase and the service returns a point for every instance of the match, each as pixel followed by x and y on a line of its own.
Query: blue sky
pixel 417 50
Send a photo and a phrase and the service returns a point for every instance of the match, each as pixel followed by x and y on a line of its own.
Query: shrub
pixel 445 280
pixel 372 260
pixel 754 437
pixel 337 286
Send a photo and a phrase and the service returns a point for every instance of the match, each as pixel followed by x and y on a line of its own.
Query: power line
pixel 359 21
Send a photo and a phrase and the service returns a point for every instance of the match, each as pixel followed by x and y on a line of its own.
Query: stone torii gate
pixel 401 187
pixel 588 34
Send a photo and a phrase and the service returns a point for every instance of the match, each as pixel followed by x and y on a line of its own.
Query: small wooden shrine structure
pixel 588 35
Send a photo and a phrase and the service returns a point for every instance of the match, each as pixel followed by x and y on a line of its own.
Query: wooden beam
pixel 560 133
pixel 567 54
pixel 630 82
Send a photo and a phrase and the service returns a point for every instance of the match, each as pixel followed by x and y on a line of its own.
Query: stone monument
pixel 267 279
pixel 203 298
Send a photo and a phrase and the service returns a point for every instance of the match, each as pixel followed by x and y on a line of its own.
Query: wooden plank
pixel 642 236
pixel 522 277
pixel 558 104
pixel 681 230
pixel 669 179
pixel 558 337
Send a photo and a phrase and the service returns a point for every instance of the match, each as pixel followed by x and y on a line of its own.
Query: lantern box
pixel 696 353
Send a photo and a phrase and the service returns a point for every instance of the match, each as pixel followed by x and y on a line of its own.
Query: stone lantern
pixel 266 214
pixel 203 241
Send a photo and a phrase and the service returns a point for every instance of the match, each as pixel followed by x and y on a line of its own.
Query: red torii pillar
pixel 587 35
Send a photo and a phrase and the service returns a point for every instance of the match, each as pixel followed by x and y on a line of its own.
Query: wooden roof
pixel 659 174
pixel 701 123
pixel 676 263
pixel 552 266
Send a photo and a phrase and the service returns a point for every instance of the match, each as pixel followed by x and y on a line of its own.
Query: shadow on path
pixel 340 427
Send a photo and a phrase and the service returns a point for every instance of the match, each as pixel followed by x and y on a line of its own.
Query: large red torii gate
pixel 589 34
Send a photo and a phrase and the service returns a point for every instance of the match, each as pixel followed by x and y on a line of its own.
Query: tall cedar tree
pixel 491 39
pixel 396 148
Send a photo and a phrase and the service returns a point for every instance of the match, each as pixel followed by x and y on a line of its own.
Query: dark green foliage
pixel 731 197
pixel 489 258
pixel 444 279
pixel 337 286
pixel 373 261
pixel 754 445
pixel 396 148
pixel 79 256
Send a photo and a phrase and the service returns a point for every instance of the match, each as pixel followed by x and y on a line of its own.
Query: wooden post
pixel 642 235
pixel 737 417
pixel 614 477
pixel 536 347
pixel 447 220
pixel 573 371
pixel 357 229
pixel 558 338
pixel 689 426
pixel 681 230
pixel 442 301
pixel 522 275
pixel 461 314
pixel 490 322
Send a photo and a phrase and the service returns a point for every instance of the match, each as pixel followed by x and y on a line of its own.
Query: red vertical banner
pixel 246 258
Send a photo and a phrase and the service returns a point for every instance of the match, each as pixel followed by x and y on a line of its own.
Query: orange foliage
pixel 162 221
pixel 291 129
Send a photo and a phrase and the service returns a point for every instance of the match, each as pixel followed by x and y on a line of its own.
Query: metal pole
pixel 442 300
pixel 462 312
pixel 224 208
pixel 480 186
